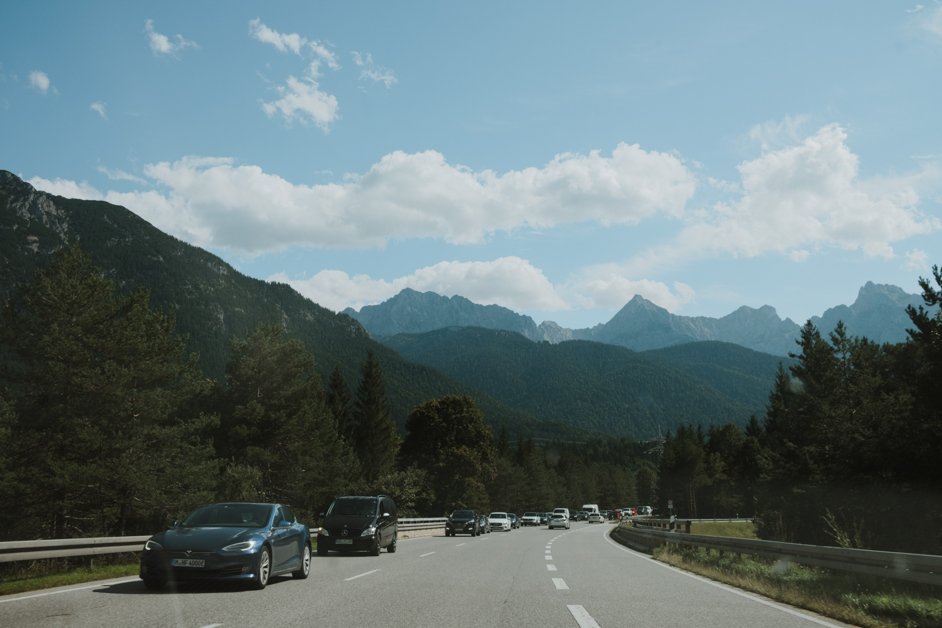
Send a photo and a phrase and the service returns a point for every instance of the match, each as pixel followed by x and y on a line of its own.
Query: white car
pixel 558 520
pixel 596 517
pixel 499 521
pixel 530 519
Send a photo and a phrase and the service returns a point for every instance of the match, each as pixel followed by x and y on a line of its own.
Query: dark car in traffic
pixel 483 525
pixel 359 523
pixel 462 522
pixel 233 541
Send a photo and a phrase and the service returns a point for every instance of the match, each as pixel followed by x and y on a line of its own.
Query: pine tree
pixel 340 403
pixel 104 396
pixel 376 438
pixel 276 424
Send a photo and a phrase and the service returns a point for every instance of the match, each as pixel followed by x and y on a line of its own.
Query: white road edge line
pixel 360 575
pixel 68 590
pixel 726 587
pixel 426 554
pixel 560 584
pixel 582 616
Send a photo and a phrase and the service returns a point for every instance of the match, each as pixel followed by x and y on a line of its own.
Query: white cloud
pixel 40 81
pixel 214 202
pixel 303 100
pixel 371 71
pixel 66 188
pixel 160 44
pixel 99 108
pixel 608 286
pixel 511 282
pixel 801 199
pixel 121 175
pixel 285 42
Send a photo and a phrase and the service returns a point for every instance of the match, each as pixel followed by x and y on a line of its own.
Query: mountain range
pixel 879 313
pixel 570 385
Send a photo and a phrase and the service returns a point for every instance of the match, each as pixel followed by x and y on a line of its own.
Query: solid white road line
pixel 582 616
pixel 360 575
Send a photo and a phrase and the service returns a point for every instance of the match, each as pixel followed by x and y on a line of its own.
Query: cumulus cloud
pixel 370 71
pixel 285 42
pixel 802 199
pixel 99 108
pixel 67 188
pixel 216 202
pixel 511 282
pixel 161 44
pixel 40 81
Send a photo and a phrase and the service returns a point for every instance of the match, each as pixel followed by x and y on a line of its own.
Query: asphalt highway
pixel 576 578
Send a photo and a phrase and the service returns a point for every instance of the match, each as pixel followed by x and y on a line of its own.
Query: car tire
pixel 391 548
pixel 305 569
pixel 262 569
pixel 154 584
pixel 376 546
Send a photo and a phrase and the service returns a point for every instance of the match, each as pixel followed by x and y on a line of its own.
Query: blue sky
pixel 556 158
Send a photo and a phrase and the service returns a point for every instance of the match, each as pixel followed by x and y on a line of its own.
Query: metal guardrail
pixel 12 551
pixel 922 568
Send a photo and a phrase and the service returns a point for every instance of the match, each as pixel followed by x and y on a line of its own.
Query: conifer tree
pixel 106 426
pixel 340 403
pixel 376 438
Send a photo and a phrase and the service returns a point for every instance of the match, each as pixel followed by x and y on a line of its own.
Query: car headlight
pixel 242 546
pixel 152 545
pixel 323 532
pixel 370 531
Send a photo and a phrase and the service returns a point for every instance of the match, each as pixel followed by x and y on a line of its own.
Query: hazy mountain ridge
pixel 879 313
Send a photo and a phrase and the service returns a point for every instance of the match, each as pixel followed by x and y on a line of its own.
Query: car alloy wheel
pixel 264 569
pixel 305 569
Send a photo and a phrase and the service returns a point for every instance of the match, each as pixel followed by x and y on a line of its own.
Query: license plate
pixel 344 541
pixel 188 562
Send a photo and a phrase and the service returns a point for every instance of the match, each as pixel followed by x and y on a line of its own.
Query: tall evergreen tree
pixel 376 438
pixel 276 423
pixel 104 396
pixel 340 403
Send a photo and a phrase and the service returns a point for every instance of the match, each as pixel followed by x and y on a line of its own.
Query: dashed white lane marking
pixel 426 554
pixel 460 544
pixel 548 551
pixel 548 557
pixel 582 616
pixel 560 584
pixel 551 568
pixel 360 575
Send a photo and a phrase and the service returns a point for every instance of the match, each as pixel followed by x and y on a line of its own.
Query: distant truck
pixel 590 508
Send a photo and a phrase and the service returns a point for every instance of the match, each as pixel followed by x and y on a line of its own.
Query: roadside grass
pixel 738 529
pixel 38 575
pixel 869 602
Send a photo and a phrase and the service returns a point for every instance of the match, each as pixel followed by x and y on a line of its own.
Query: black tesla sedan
pixel 229 541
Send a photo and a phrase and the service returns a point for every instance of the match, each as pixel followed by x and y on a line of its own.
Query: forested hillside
pixel 607 389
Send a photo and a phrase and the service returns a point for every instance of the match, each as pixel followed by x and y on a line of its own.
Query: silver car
pixel 558 520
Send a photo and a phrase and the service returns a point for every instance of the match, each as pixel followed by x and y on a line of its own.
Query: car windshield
pixel 357 506
pixel 231 515
pixel 462 514
pixel 498 515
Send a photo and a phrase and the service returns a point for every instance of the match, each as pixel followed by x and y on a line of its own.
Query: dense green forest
pixel 602 388
pixel 108 426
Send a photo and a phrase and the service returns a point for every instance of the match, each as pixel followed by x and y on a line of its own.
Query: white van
pixel 563 511
pixel 590 508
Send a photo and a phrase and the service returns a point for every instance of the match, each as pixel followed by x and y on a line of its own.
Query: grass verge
pixel 38 576
pixel 869 602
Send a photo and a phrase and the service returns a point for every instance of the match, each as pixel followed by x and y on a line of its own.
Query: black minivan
pixel 356 523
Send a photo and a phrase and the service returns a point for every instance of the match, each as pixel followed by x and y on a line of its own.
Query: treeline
pixel 108 427
pixel 847 452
